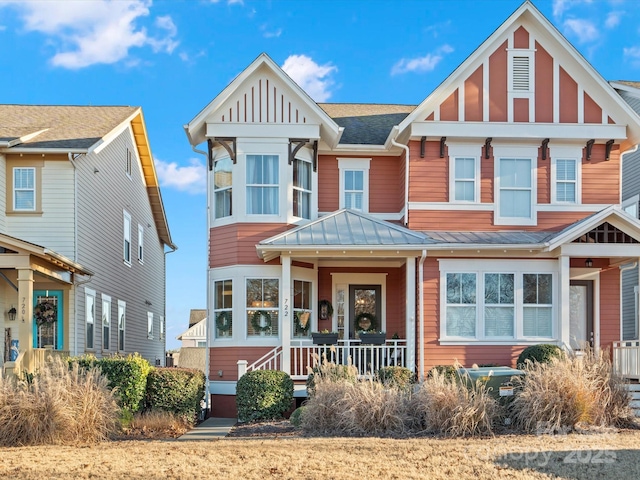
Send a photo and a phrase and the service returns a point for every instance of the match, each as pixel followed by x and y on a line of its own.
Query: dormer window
pixel 262 185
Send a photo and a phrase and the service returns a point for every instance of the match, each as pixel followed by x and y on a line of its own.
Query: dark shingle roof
pixel 66 127
pixel 366 124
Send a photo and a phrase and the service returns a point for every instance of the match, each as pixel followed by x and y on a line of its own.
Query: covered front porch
pixel 36 299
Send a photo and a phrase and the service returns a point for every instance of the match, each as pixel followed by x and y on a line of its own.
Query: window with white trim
pixel 140 243
pixel 301 308
pixel 263 185
pixel 515 188
pixel 486 304
pixel 127 238
pixel 354 183
pixel 149 325
pixel 262 307
pixel 122 307
pixel 24 189
pixel 90 312
pixel 301 188
pixel 106 323
pixel 161 327
pixel 566 172
pixel 630 205
pixel 223 308
pixel 222 187
pixel 464 182
pixel 128 163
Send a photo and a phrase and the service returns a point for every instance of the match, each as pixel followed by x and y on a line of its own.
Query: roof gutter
pixel 406 173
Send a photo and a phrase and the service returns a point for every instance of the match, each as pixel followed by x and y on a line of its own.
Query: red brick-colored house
pixel 481 221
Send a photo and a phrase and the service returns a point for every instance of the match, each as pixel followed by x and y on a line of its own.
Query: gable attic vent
pixel 521 73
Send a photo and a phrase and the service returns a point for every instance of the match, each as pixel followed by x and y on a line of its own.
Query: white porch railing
pixel 626 358
pixel 367 359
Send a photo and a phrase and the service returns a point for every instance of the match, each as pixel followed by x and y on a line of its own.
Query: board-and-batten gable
pixel 263 102
pixel 478 92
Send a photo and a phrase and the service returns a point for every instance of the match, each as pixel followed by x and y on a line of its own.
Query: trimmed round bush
pixel 176 390
pixel 542 353
pixel 263 395
pixel 296 417
pixel 395 377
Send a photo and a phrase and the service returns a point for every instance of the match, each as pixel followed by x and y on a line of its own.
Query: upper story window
pixel 127 238
pixel 301 188
pixel 566 171
pixel 354 183
pixel 464 177
pixel 515 185
pixel 222 187
pixel 262 185
pixel 149 325
pixel 24 188
pixel 630 205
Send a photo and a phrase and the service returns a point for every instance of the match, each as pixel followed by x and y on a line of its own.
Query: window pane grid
pixel 24 189
pixel 301 189
pixel 222 181
pixel 262 307
pixel 223 308
pixel 262 184
pixel 301 308
pixel 566 180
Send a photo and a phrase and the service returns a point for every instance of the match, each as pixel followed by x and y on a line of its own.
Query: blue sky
pixel 172 57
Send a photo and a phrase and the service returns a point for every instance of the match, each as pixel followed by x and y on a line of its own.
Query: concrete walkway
pixel 210 429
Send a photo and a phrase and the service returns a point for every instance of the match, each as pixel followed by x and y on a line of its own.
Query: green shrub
pixel 396 377
pixel 175 390
pixel 127 377
pixel 449 371
pixel 263 395
pixel 296 416
pixel 542 353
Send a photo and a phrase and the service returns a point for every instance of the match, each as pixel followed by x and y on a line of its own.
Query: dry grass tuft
pixel 571 392
pixel 61 405
pixel 157 424
pixel 446 405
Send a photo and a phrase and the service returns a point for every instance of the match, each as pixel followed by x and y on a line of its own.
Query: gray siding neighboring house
pixel 630 92
pixel 96 168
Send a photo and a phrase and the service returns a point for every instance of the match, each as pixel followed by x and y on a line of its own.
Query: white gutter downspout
pixel 75 251
pixel 406 178
pixel 421 307
pixel 208 322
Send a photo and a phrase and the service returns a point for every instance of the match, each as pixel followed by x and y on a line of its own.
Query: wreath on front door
pixel 366 322
pixel 45 313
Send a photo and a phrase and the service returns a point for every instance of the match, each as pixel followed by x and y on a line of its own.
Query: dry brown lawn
pixel 574 456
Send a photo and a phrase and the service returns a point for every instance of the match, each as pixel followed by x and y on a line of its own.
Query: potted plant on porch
pixel 372 337
pixel 325 337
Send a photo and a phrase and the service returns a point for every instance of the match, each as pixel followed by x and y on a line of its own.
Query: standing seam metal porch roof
pixel 348 228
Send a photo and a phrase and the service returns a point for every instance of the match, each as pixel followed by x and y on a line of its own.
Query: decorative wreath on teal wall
pixel 223 321
pixel 45 313
pixel 255 321
pixel 366 322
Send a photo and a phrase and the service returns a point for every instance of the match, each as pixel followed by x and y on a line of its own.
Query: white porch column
pixel 287 313
pixel 410 312
pixel 25 309
pixel 564 310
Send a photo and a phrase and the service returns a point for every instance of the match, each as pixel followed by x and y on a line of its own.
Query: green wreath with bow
pixel 223 321
pixel 255 321
pixel 364 317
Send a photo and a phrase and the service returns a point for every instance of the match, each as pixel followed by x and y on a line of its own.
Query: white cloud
pixel 421 64
pixel 561 6
pixel 313 78
pixel 100 31
pixel 266 33
pixel 584 30
pixel 191 179
pixel 633 55
pixel 613 19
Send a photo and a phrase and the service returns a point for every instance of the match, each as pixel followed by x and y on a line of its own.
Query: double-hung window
pixel 566 169
pixel 538 305
pixel 515 185
pixel 222 187
pixel 262 185
pixel 262 306
pixel 122 307
pixel 499 304
pixel 354 183
pixel 149 325
pixel 140 243
pixel 464 176
pixel 161 327
pixel 223 308
pixel 461 305
pixel 24 189
pixel 127 238
pixel 301 188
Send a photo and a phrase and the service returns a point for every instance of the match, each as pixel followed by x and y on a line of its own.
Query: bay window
pixel 301 189
pixel 222 187
pixel 262 185
pixel 223 308
pixel 262 307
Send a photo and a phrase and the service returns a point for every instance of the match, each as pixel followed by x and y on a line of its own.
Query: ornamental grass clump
pixel 571 392
pixel 329 371
pixel 60 405
pixel 453 406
